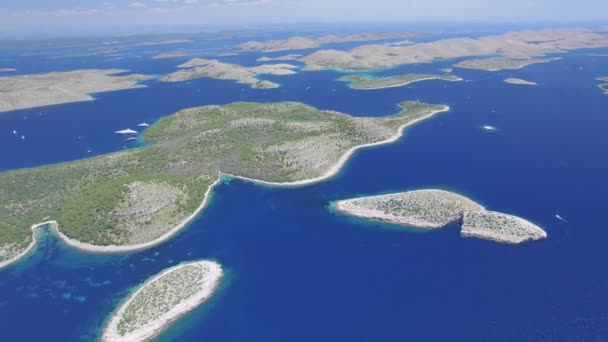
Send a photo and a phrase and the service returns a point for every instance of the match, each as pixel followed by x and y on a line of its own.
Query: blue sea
pixel 298 271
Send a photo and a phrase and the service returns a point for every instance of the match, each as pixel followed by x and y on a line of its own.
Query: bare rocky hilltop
pixel 27 91
pixel 516 47
pixel 432 209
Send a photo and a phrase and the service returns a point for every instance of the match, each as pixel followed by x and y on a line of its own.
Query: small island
pixel 429 209
pixel 163 299
pixel 28 91
pixel 227 54
pixel 173 54
pixel 363 82
pixel 289 57
pixel 519 81
pixel 604 86
pixel 136 199
pixel 198 67
pixel 432 209
pixel 496 64
pixel 165 42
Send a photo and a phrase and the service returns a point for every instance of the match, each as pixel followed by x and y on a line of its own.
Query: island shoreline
pixel 343 159
pixel 110 249
pixel 403 84
pixel 115 249
pixel 157 327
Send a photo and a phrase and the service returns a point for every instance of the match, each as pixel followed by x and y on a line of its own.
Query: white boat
pixel 130 139
pixel 560 218
pixel 23 137
pixel 143 124
pixel 126 131
pixel 14 131
pixel 489 128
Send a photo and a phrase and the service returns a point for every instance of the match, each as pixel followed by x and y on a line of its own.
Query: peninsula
pixel 513 45
pixel 163 299
pixel 136 199
pixel 496 64
pixel 298 42
pixel 197 68
pixel 28 91
pixel 519 81
pixel 361 82
pixel 431 209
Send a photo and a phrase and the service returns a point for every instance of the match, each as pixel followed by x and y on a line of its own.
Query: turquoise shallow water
pixel 298 271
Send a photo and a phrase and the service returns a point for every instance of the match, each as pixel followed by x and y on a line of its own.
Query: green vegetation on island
pixel 499 227
pixel 363 82
pixel 162 299
pixel 139 196
pixel 432 209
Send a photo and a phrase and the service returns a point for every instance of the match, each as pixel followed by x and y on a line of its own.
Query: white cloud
pixel 238 3
pixel 137 5
pixel 57 13
pixel 187 2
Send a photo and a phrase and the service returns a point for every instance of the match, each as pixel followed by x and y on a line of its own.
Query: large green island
pixel 161 300
pixel 432 209
pixel 362 82
pixel 138 198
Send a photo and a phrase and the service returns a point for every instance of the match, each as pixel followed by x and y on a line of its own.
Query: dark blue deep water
pixel 297 271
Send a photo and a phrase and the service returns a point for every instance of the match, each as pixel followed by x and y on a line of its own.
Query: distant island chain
pixel 508 51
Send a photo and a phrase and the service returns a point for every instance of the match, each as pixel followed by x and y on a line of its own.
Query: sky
pixel 66 15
